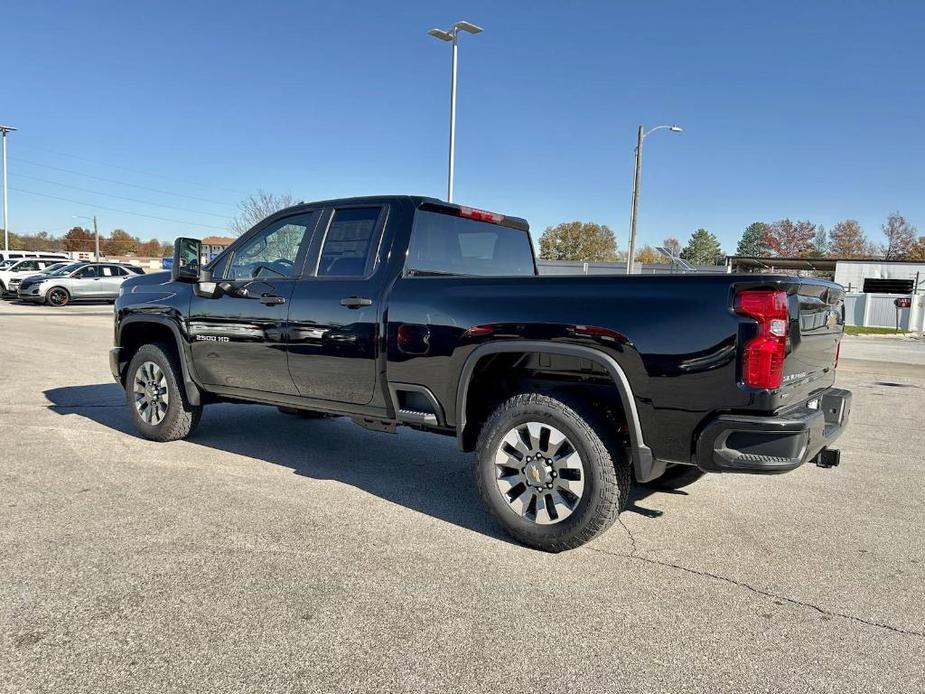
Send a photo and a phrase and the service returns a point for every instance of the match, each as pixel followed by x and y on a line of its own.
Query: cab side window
pixel 88 272
pixel 274 252
pixel 349 246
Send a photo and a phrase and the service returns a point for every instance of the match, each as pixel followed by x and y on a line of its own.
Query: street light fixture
pixel 96 233
pixel 4 129
pixel 641 136
pixel 452 35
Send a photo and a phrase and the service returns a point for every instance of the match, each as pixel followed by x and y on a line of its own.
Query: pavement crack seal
pixel 740 584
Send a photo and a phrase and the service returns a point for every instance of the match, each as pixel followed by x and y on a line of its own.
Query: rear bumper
pixel 744 443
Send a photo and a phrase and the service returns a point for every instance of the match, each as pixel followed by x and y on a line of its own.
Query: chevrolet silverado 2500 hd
pixel 403 310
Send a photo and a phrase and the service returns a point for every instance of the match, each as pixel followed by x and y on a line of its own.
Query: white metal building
pixel 876 276
pixel 872 286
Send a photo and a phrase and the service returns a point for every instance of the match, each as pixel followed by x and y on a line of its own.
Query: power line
pixel 113 209
pixel 121 197
pixel 121 183
pixel 138 171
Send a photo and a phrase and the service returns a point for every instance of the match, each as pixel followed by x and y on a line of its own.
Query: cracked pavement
pixel 268 553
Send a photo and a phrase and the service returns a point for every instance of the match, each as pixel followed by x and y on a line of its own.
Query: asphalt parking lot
pixel 268 553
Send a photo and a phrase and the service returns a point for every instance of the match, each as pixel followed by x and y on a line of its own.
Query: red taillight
pixel 763 359
pixel 837 354
pixel 481 215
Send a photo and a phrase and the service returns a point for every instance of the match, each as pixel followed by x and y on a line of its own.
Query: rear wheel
pixel 157 401
pixel 550 472
pixel 58 296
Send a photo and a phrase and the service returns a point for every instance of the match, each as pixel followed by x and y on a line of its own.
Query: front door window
pixel 273 253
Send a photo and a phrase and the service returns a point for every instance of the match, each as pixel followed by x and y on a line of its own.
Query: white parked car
pixel 19 255
pixel 14 270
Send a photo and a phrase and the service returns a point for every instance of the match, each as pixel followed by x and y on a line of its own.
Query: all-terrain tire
pixel 181 417
pixel 607 471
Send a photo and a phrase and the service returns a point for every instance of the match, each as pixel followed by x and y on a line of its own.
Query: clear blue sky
pixel 811 110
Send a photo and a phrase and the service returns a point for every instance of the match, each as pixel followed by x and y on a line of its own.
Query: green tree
pixel 120 242
pixel 820 242
pixel 702 249
pixel 584 241
pixel 752 243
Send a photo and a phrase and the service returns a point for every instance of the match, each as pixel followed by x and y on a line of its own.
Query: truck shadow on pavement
pixel 422 472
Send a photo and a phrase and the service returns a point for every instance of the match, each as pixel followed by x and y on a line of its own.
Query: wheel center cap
pixel 536 472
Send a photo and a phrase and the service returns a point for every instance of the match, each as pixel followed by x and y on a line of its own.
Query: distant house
pixel 213 245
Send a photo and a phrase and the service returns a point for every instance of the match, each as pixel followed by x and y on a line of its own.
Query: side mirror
pixel 186 260
pixel 208 288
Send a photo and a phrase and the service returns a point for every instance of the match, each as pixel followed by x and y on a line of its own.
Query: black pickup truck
pixel 403 310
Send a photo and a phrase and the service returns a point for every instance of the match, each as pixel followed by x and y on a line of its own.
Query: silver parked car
pixel 77 282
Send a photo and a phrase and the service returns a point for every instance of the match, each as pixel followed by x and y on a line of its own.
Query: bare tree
pixel 673 246
pixel 900 237
pixel 257 207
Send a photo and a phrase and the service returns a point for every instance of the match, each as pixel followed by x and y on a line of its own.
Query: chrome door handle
pixel 271 300
pixel 355 302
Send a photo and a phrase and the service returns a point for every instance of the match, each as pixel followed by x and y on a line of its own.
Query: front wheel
pixel 550 472
pixel 157 401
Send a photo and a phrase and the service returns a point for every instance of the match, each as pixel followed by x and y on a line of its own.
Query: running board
pixel 415 417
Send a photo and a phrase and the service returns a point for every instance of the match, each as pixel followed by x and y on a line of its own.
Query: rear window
pixel 444 244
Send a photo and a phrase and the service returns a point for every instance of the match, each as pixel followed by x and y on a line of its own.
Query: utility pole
pixel 452 35
pixel 631 257
pixel 4 129
pixel 640 138
pixel 452 159
pixel 96 233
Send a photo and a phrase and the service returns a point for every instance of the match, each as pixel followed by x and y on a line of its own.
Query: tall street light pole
pixel 640 138
pixel 4 129
pixel 96 233
pixel 452 35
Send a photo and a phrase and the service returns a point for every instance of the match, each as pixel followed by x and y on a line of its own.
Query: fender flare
pixel 645 465
pixel 193 393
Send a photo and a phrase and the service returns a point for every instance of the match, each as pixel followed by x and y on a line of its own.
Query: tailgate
pixel 816 324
